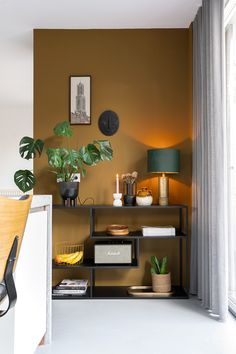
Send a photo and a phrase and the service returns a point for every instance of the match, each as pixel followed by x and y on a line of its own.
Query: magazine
pixel 71 287
pixel 73 283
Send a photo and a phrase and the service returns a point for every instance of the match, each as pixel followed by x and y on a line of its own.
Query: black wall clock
pixel 108 123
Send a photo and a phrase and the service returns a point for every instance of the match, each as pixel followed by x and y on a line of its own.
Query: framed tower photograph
pixel 80 99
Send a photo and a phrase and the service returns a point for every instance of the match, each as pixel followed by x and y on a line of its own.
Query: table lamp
pixel 163 161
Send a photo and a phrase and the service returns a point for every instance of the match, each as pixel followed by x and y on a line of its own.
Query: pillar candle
pixel 117 183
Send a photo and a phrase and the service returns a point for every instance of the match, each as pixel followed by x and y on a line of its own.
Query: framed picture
pixel 80 99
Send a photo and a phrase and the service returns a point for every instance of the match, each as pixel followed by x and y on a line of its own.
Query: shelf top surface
pixel 136 234
pixel 121 292
pixel 107 206
pixel 89 263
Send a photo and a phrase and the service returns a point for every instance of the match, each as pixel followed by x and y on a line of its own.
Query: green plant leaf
pixel 155 264
pixel 153 270
pixel 164 269
pixel 63 129
pixel 54 157
pixel 72 158
pixel 29 147
pixel 81 168
pixel 105 148
pixel 90 154
pixel 25 180
pixel 69 161
pixel 66 162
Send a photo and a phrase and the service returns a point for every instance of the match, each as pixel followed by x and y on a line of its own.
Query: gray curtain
pixel 209 243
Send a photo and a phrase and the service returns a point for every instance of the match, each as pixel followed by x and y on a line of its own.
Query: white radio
pixel 113 252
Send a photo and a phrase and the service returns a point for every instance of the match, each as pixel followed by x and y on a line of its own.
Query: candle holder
pixel 117 199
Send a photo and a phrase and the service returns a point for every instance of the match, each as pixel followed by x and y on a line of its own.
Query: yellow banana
pixel 77 258
pixel 71 258
pixel 65 258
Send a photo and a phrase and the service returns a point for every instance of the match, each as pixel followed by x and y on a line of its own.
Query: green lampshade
pixel 163 160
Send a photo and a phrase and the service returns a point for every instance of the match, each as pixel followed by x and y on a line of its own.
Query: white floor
pixel 138 327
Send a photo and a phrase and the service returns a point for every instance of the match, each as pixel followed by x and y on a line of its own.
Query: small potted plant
pixel 67 163
pixel 161 279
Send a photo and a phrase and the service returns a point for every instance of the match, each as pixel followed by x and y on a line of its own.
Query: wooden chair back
pixel 13 217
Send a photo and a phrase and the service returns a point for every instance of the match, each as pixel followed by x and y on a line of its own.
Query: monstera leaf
pixel 66 162
pixel 71 158
pixel 29 147
pixel 63 129
pixel 25 180
pixel 54 157
pixel 105 148
pixel 90 154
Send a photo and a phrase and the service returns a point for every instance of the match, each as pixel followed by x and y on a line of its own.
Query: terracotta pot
pixel 161 283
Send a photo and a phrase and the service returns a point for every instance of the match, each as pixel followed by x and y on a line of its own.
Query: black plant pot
pixel 129 200
pixel 69 192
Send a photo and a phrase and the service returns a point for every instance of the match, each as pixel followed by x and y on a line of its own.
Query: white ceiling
pixel 97 13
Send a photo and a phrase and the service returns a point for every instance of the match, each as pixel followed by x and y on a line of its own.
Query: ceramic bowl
pixel 144 200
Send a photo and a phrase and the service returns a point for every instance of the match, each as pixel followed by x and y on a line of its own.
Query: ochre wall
pixel 144 76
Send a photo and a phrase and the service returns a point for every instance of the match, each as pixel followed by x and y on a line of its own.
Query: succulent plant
pixel 159 266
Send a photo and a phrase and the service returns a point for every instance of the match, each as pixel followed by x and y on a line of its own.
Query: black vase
pixel 129 194
pixel 69 192
pixel 129 200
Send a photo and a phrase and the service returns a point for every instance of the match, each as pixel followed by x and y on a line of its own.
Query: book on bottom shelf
pixel 73 287
pixel 73 282
pixel 68 295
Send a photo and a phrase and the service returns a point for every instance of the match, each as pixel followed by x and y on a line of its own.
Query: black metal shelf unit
pixel 134 234
pixel 120 292
pixel 89 263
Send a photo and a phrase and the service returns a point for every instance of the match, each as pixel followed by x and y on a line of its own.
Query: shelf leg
pixel 92 281
pixel 186 252
pixel 181 262
pixel 92 221
pixel 180 220
pixel 136 245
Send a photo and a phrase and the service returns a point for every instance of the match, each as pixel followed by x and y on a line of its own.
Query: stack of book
pixel 158 230
pixel 71 287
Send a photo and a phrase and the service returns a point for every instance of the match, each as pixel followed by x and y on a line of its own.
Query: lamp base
pixel 163 190
pixel 163 201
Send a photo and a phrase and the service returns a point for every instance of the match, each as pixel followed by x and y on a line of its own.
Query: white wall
pixel 16 93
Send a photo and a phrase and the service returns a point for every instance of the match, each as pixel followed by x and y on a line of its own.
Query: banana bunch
pixel 69 258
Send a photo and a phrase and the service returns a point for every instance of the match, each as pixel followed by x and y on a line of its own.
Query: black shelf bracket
pixel 7 287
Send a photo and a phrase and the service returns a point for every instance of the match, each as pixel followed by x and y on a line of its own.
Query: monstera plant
pixel 29 149
pixel 65 162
